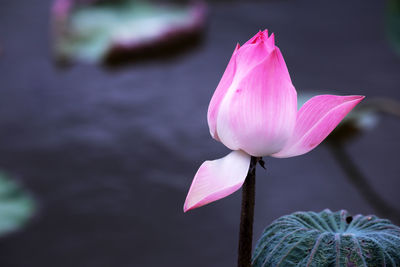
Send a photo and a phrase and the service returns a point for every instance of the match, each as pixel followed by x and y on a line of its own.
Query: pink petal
pixel 258 113
pixel 282 63
pixel 263 35
pixel 250 55
pixel 61 8
pixel 217 179
pixel 219 94
pixel 316 119
pixel 270 43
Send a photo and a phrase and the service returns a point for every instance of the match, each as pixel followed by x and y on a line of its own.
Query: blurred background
pixel 98 157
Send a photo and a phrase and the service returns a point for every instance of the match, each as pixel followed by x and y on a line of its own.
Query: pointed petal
pixel 258 114
pixel 257 36
pixel 316 119
pixel 282 63
pixel 217 179
pixel 270 43
pixel 219 94
pixel 249 56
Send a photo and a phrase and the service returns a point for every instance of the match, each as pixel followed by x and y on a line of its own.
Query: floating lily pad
pixel 93 31
pixel 16 205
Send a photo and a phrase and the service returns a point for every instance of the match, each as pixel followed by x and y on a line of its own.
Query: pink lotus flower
pixel 254 113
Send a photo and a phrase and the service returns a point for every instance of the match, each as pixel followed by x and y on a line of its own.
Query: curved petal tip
pixel 217 179
pixel 316 119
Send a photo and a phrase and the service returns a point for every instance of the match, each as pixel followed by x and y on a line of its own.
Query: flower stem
pixel 247 216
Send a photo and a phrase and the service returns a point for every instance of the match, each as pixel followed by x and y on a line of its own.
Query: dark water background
pixel 110 155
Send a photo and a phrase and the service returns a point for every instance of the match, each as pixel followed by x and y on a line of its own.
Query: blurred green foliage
pixel 92 31
pixel 16 205
pixel 393 21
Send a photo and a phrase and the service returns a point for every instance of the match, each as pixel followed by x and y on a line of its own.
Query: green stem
pixel 247 217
